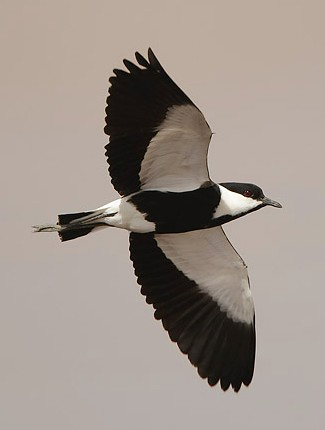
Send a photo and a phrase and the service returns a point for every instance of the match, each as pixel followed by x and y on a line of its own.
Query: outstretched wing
pixel 199 286
pixel 158 138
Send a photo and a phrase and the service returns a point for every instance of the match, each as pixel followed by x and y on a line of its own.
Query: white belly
pixel 122 214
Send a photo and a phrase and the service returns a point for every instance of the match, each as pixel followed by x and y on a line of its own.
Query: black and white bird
pixel 188 270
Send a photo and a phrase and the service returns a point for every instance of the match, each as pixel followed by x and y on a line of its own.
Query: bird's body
pixel 186 266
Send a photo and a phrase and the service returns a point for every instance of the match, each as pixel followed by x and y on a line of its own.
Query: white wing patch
pixel 208 258
pixel 176 158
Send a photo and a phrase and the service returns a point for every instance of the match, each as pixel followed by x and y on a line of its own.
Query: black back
pixel 178 212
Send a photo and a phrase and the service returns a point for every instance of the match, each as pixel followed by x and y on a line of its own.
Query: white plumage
pixel 176 158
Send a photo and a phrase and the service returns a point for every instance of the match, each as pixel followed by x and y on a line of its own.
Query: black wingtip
pixel 141 60
pixel 153 60
pixel 132 68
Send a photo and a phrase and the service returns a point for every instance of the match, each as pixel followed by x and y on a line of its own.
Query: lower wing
pixel 199 286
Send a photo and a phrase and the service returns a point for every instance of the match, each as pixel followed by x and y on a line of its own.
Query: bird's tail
pixel 71 226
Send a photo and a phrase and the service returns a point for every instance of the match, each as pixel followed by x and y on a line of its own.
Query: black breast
pixel 178 212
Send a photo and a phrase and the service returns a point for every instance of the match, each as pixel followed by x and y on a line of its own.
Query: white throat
pixel 233 204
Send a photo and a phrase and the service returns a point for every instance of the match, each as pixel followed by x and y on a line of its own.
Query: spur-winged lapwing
pixel 188 270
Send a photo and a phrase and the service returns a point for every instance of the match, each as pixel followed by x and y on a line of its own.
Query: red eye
pixel 248 193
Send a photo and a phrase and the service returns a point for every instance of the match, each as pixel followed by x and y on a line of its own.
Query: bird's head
pixel 240 198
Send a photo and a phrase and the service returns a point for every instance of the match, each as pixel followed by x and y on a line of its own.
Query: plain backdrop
pixel 79 347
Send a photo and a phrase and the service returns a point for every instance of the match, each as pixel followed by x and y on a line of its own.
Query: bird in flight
pixel 187 268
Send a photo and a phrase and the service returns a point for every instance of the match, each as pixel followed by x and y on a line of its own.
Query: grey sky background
pixel 79 347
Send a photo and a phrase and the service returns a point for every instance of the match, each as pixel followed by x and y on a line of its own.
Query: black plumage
pixel 178 212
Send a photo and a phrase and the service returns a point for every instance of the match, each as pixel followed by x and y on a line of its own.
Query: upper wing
pixel 199 286
pixel 158 138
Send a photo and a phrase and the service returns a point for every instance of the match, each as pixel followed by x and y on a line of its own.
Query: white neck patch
pixel 233 204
